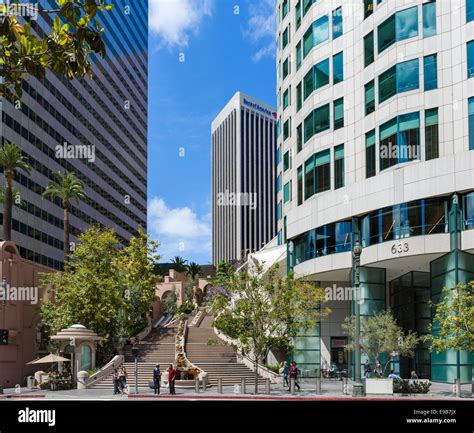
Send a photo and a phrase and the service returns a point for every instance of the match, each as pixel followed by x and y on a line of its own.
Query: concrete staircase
pixel 205 350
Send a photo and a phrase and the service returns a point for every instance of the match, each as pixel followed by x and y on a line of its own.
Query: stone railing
pixel 198 318
pixel 244 359
pixel 104 372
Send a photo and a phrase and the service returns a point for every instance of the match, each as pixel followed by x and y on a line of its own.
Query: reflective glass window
pixel 338 67
pixel 337 23
pixel 339 113
pixel 429 19
pixel 430 70
pixel 369 49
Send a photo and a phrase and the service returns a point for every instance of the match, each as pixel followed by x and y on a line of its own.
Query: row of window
pixel 400 78
pixel 319 120
pixel 400 26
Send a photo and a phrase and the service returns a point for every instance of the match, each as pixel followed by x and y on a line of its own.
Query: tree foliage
pixel 453 320
pixel 103 287
pixel 75 34
pixel 179 264
pixel 265 310
pixel 381 336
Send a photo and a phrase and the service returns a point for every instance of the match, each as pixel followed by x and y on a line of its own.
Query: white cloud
pixel 175 21
pixel 180 231
pixel 260 28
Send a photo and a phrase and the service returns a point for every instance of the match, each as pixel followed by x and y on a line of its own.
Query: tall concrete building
pixel 244 157
pixel 96 129
pixel 376 103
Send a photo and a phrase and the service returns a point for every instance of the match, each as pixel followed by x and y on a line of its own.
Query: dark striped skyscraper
pixel 96 129
pixel 243 171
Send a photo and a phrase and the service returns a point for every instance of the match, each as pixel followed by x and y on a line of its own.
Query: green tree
pixel 170 303
pixel 11 160
pixel 65 50
pixel 92 288
pixel 381 337
pixel 67 187
pixel 266 310
pixel 179 264
pixel 193 270
pixel 454 320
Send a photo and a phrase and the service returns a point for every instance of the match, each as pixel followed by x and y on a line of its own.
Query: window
pixel 286 99
pixel 299 96
pixel 284 8
pixel 307 5
pixel 300 185
pixel 431 134
pixel 299 57
pixel 469 10
pixel 402 77
pixel 286 129
pixel 278 183
pixel 339 113
pixel 309 178
pixel 323 171
pixel 286 68
pixel 399 140
pixel 287 192
pixel 370 97
pixel 337 23
pixel 368 8
pixel 370 169
pixel 400 26
pixel 471 123
pixel 298 14
pixel 316 122
pixel 430 68
pixel 339 167
pixel 470 59
pixel 429 19
pixel 299 138
pixel 279 211
pixel 369 49
pixel 338 67
pixel 285 38
pixel 316 78
pixel 286 161
pixel 316 34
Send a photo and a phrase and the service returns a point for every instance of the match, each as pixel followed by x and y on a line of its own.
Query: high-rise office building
pixel 96 129
pixel 243 171
pixel 376 103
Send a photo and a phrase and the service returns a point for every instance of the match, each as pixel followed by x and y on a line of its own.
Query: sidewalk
pixel 331 390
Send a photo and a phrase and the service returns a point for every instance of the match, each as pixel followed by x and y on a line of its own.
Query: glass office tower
pixel 376 107
pixel 96 129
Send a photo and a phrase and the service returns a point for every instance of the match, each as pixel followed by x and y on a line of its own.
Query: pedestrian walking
pixel 116 381
pixel 367 369
pixel 285 371
pixel 294 375
pixel 123 376
pixel 157 378
pixel 378 368
pixel 171 378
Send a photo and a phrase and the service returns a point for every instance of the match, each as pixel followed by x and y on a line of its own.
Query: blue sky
pixel 228 45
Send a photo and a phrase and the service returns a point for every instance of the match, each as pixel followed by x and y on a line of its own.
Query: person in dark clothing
pixel 116 381
pixel 367 369
pixel 294 375
pixel 157 378
pixel 171 378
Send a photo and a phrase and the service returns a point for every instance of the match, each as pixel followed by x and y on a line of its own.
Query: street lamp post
pixel 135 354
pixel 358 388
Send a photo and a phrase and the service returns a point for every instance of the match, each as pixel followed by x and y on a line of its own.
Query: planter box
pixel 379 386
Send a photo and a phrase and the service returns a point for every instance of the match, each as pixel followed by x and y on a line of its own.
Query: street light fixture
pixel 358 388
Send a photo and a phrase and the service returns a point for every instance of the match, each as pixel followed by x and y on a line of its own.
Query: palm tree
pixel 66 187
pixel 11 160
pixel 193 270
pixel 179 264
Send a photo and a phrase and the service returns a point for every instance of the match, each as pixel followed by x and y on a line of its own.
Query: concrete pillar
pixel 81 379
pixel 219 385
pixel 292 386
pixel 318 385
pixel 267 386
pixel 242 386
pixel 204 382
pixel 196 385
pixel 457 385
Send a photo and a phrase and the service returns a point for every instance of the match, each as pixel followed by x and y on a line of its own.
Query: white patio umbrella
pixel 49 359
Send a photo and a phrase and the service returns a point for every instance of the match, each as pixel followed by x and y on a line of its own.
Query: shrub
pixel 186 308
pixel 409 387
pixel 228 325
pixel 275 368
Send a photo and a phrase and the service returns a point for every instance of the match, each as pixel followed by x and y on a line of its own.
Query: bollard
pixel 318 385
pixel 457 384
pixel 345 389
pixel 196 385
pixel 267 386
pixel 242 387
pixel 292 386
pixel 219 385
pixel 204 382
